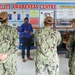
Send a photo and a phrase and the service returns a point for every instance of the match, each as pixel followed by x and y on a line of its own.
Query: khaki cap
pixel 73 20
pixel 48 19
pixel 3 15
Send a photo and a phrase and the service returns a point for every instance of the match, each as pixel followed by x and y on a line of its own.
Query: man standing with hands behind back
pixel 46 41
pixel 71 48
pixel 8 46
pixel 26 31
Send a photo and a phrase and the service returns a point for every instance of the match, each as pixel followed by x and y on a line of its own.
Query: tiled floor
pixel 28 67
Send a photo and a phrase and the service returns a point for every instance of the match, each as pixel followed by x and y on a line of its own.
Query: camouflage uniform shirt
pixel 46 40
pixel 8 41
pixel 71 53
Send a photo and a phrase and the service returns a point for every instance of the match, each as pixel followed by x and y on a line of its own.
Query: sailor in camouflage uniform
pixel 8 46
pixel 71 48
pixel 46 41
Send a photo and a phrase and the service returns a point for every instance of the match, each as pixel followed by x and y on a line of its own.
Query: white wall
pixel 6 1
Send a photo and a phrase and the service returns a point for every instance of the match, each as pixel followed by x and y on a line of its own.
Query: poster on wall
pixel 15 24
pixel 24 14
pixel 14 18
pixel 43 14
pixel 14 15
pixel 34 13
pixel 10 15
pixel 34 18
pixel 64 15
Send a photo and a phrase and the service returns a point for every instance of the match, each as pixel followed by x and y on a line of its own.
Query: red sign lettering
pixel 6 6
pixel 47 6
pixel 25 6
pixel 1 7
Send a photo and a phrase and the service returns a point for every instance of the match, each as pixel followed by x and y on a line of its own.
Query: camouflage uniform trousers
pixel 71 63
pixel 9 67
pixel 51 69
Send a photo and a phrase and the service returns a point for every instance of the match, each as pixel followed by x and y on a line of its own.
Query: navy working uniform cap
pixel 3 16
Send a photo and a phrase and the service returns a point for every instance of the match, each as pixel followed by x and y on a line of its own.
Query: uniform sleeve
pixel 14 41
pixel 35 37
pixel 59 38
pixel 35 43
pixel 15 37
pixel 70 41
